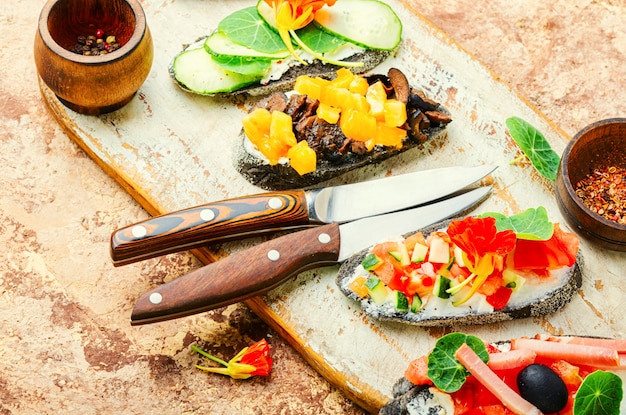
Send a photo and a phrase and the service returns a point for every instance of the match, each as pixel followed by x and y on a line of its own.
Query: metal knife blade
pixel 261 268
pixel 272 211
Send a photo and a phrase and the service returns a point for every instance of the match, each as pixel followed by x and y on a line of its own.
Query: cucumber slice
pixel 377 290
pixel 416 304
pixel 371 262
pixel 402 302
pixel 371 24
pixel 267 14
pixel 196 70
pixel 220 45
pixel 441 285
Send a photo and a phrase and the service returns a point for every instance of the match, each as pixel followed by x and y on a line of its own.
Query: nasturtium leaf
pixel 245 66
pixel 247 28
pixel 535 147
pixel 532 224
pixel 599 394
pixel 319 40
pixel 446 372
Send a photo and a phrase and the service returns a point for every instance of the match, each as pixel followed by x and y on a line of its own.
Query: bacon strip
pixel 511 359
pixel 576 354
pixel 493 383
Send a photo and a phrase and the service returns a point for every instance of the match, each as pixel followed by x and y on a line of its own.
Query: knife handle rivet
pixel 155 298
pixel 275 203
pixel 139 231
pixel 273 255
pixel 324 238
pixel 207 215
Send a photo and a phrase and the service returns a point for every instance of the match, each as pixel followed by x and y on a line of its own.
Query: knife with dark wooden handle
pixel 200 225
pixel 239 276
pixel 273 211
pixel 256 270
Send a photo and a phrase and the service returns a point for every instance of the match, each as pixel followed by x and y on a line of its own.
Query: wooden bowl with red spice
pixel 93 54
pixel 591 183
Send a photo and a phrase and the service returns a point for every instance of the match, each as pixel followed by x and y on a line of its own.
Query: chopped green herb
pixel 446 372
pixel 599 394
pixel 532 224
pixel 246 27
pixel 535 147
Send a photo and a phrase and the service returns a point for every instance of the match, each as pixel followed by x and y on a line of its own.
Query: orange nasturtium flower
pixel 481 243
pixel 254 360
pixel 292 15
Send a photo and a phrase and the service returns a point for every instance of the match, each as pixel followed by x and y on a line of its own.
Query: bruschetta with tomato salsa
pixel 565 375
pixel 471 270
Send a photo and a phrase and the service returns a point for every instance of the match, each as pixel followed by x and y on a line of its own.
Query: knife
pixel 256 270
pixel 273 211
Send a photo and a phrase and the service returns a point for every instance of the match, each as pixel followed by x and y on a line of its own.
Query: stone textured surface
pixel 67 345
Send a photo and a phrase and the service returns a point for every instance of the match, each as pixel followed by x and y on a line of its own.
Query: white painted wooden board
pixel 172 150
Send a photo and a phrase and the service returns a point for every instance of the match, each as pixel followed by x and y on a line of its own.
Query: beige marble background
pixel 65 341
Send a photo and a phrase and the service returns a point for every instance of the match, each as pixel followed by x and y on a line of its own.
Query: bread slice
pixel 369 58
pixel 548 300
pixel 257 170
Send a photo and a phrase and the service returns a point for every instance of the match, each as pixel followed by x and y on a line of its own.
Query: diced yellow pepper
pixel 256 125
pixel 359 85
pixel 376 97
pixel 395 113
pixel 336 97
pixel 343 79
pixel 358 287
pixel 359 103
pixel 281 129
pixel 312 87
pixel 328 113
pixel 389 136
pixel 357 125
pixel 302 158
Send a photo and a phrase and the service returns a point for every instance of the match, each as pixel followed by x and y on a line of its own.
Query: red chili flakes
pixel 604 192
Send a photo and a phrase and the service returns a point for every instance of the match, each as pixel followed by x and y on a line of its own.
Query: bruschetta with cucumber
pixel 565 375
pixel 324 128
pixel 265 47
pixel 471 270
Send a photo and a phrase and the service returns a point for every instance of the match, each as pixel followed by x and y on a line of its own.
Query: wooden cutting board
pixel 172 150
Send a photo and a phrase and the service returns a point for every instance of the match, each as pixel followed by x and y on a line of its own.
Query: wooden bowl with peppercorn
pixel 591 183
pixel 93 54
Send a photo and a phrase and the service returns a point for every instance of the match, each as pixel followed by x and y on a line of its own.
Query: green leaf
pixel 247 28
pixel 535 147
pixel 532 224
pixel 319 40
pixel 599 394
pixel 446 372
pixel 245 66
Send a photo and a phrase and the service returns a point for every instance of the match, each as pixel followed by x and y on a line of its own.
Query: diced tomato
pixel 491 284
pixel 558 251
pixel 420 284
pixel 416 238
pixel 457 271
pixel 500 298
pixel 463 399
pixel 417 372
pixel 489 410
pixel 569 374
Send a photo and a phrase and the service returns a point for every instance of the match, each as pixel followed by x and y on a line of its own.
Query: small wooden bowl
pixel 93 84
pixel 598 146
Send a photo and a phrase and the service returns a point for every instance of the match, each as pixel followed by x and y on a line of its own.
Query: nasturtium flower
pixel 292 15
pixel 481 244
pixel 254 360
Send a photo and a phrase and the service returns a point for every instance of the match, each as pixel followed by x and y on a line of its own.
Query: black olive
pixel 542 387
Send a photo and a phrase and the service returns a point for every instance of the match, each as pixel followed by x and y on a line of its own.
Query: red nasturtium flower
pixel 481 243
pixel 292 15
pixel 254 360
